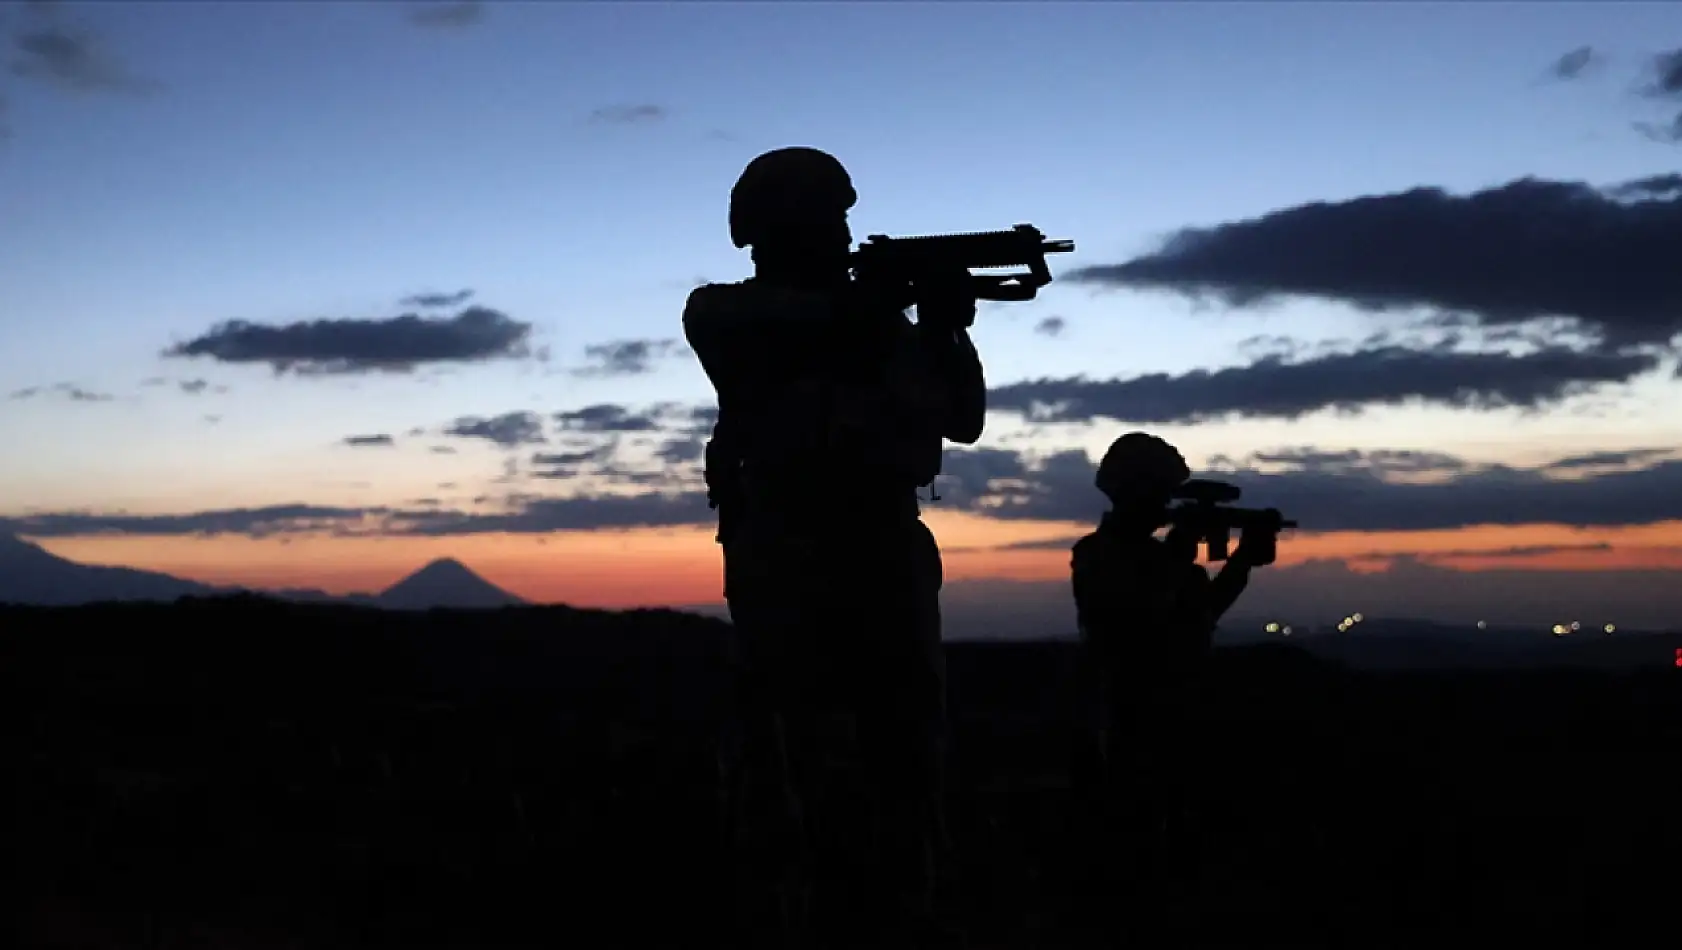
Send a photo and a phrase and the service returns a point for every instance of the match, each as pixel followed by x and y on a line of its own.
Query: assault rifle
pixel 896 261
pixel 1205 511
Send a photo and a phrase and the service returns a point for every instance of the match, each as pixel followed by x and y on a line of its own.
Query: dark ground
pixel 249 774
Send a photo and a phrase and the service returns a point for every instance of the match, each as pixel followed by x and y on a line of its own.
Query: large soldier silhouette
pixel 1147 613
pixel 832 410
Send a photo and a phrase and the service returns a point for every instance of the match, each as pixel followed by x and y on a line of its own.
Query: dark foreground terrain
pixel 243 773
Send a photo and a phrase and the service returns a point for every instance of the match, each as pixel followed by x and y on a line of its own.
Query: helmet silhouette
pixel 1141 466
pixel 782 187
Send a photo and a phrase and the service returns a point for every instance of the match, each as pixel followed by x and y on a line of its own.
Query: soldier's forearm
pixel 953 359
pixel 1226 588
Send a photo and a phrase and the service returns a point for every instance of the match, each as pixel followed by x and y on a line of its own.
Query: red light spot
pixel 1679 656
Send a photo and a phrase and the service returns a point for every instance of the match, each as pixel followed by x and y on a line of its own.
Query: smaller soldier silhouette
pixel 1147 612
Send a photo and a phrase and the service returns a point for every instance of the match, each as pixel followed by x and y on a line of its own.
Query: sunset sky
pixel 308 294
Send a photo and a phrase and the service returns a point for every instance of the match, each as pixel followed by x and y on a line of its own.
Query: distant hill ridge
pixel 30 574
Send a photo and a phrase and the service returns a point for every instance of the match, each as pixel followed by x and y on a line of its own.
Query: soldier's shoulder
pixel 1085 548
pixel 750 300
pixel 709 299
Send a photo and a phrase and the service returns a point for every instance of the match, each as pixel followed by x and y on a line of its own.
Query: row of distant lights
pixel 1348 623
pixel 1284 629
pixel 1562 629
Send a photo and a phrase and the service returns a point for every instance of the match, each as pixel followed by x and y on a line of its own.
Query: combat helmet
pixel 784 185
pixel 1140 466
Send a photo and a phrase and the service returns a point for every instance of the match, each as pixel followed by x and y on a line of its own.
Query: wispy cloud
pixel 638 114
pixel 456 15
pixel 69 391
pixel 507 430
pixel 48 48
pixel 627 357
pixel 1577 63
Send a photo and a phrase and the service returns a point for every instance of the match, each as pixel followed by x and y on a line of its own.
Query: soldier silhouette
pixel 1147 612
pixel 832 410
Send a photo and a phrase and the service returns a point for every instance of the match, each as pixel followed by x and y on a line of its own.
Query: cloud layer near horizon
pixel 1328 491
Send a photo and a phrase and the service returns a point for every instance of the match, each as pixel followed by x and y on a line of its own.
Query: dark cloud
pixel 1665 81
pixel 1577 63
pixel 627 357
pixel 370 441
pixel 507 430
pixel 251 522
pixel 1527 250
pixel 1516 551
pixel 629 114
pixel 1664 85
pixel 397 344
pixel 608 417
pixel 528 515
pixel 1381 461
pixel 678 451
pixel 1653 186
pixel 67 56
pixel 434 300
pixel 1279 388
pixel 1051 326
pixel 698 420
pixel 1624 459
pixel 558 465
pixel 443 450
pixel 577 513
pixel 1284 347
pixel 447 16
pixel 69 391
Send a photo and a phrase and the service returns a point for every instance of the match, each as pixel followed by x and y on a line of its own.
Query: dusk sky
pixel 308 294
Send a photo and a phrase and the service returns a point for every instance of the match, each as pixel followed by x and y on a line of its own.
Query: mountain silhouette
pixel 29 574
pixel 445 582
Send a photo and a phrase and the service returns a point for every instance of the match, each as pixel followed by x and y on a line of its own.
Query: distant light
pixel 1342 628
pixel 1356 617
pixel 1349 621
pixel 1272 628
pixel 1679 657
pixel 1286 630
pixel 1559 630
pixel 1610 628
pixel 1575 626
pixel 1483 625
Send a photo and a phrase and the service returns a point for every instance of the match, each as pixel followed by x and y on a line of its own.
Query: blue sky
pixel 280 162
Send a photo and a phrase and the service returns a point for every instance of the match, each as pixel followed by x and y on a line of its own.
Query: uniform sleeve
pixel 745 335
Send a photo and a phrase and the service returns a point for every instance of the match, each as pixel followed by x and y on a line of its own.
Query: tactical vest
pixel 816 422
pixel 1143 609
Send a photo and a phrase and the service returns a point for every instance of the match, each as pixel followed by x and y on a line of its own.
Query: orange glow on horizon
pixel 650 567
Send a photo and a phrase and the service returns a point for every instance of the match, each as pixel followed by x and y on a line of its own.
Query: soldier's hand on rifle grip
pixel 1257 548
pixel 1183 542
pixel 945 300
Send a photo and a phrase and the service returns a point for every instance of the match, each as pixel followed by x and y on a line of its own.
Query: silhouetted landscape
pixel 29 574
pixel 401 399
pixel 244 771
